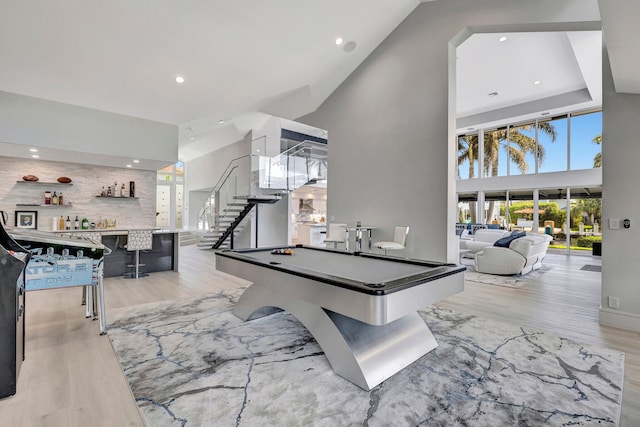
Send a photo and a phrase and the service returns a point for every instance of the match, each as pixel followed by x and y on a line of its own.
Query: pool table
pixel 361 308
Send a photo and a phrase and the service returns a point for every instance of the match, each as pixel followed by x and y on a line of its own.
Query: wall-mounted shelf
pixel 41 205
pixel 44 183
pixel 116 197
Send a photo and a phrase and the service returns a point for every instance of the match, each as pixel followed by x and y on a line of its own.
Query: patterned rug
pixel 513 281
pixel 193 363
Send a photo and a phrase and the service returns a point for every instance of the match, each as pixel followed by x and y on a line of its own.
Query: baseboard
pixel 620 319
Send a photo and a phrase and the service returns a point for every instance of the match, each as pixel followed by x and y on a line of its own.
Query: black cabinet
pixel 162 256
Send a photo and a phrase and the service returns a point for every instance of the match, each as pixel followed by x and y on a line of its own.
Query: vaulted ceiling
pixel 244 59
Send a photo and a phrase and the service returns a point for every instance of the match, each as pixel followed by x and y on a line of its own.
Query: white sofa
pixel 523 255
pixel 480 240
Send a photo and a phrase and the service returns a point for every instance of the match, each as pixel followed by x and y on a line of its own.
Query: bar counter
pixel 162 256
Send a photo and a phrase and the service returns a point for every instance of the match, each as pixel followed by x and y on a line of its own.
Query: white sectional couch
pixel 480 240
pixel 523 255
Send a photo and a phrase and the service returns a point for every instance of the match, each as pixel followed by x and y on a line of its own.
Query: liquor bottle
pixel 109 192
pixel 76 223
pixel 122 190
pixel 47 197
pixel 54 199
pixel 100 223
pixel 132 189
pixel 85 224
pixel 103 193
pixel 67 224
pixel 61 223
pixel 60 200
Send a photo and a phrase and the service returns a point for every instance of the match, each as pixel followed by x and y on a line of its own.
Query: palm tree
pixel 519 146
pixel 591 209
pixel 597 160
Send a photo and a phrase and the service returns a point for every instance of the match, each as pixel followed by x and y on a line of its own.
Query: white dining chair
pixel 399 240
pixel 336 233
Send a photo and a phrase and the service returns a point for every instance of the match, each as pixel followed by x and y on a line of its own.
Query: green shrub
pixel 587 241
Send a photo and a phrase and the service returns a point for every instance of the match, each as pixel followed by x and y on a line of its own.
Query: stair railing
pixel 221 195
pixel 291 168
pixel 251 174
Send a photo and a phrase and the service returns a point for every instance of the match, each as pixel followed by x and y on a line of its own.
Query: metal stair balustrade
pixel 224 210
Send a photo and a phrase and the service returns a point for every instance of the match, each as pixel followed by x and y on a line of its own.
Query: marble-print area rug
pixel 193 363
pixel 512 281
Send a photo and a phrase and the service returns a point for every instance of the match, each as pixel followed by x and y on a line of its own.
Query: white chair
pixel 399 240
pixel 336 233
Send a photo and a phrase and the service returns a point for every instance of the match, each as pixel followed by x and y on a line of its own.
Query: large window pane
pixel 468 166
pixel 495 209
pixel 553 216
pixel 495 152
pixel 586 217
pixel 179 172
pixel 552 144
pixel 522 149
pixel 467 204
pixel 586 141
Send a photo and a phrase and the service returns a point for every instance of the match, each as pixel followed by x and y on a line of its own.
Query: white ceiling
pixel 496 79
pixel 244 59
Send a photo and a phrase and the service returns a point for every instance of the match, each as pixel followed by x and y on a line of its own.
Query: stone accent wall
pixel 81 197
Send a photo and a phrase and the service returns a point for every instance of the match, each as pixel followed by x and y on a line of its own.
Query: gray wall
pixel 32 121
pixel 204 172
pixel 620 249
pixel 391 146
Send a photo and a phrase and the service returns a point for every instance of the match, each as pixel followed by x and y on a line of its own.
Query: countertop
pixel 116 230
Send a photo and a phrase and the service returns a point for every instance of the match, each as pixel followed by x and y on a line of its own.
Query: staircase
pixel 229 222
pixel 252 180
pixel 188 238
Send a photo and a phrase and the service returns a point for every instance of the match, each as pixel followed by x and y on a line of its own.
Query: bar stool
pixel 138 240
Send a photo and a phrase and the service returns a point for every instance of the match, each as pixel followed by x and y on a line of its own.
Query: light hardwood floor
pixel 71 376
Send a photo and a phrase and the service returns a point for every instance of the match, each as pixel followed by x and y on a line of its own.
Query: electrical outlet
pixel 614 302
pixel 614 223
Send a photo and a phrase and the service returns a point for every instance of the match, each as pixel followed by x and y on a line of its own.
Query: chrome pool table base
pixel 364 354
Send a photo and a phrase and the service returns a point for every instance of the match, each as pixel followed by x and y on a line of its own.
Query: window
pixel 522 149
pixel 586 140
pixel 468 156
pixel 169 196
pixel 496 149
pixel 552 144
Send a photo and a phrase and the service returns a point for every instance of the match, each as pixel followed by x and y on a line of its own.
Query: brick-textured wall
pixel 87 183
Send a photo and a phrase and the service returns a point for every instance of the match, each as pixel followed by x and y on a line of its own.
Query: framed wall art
pixel 27 219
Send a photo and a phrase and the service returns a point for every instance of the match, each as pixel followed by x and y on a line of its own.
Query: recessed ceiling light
pixel 33 150
pixel 136 161
pixel 35 156
pixel 220 122
pixel 179 79
pixel 192 138
pixel 537 82
pixel 128 166
pixel 492 94
pixel 339 41
pixel 502 39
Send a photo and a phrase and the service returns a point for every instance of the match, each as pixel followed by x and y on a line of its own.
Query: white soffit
pixel 567 65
